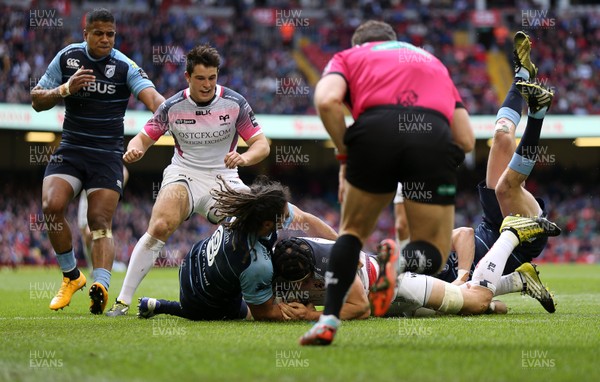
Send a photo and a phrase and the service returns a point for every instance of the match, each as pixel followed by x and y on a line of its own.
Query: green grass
pixel 72 345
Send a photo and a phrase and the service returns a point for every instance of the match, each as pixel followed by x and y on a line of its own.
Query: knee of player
pixel 162 227
pixel 476 300
pixel 502 137
pixel 504 188
pixel 53 207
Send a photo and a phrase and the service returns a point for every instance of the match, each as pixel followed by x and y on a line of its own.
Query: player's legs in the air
pixel 509 114
pixel 512 196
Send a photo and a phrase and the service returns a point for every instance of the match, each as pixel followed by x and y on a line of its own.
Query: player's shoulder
pixel 176 98
pixel 121 57
pixel 231 95
pixel 72 49
pixel 317 240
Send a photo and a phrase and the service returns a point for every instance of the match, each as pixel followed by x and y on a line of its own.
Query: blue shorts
pixel 95 169
pixel 486 234
pixel 196 308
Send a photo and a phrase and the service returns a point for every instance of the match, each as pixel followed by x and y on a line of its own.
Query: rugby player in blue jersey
pixel 229 274
pixel 95 81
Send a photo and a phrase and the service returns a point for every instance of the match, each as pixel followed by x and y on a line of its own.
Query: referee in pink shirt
pixel 410 126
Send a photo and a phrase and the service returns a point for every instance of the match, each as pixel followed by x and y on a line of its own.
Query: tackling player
pixel 228 275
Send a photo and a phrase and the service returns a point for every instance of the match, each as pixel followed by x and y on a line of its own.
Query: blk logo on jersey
pixel 203 112
pixel 109 70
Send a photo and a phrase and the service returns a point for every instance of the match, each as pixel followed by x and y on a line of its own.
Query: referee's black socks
pixel 341 272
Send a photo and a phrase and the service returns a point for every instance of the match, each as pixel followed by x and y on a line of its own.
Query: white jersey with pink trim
pixel 204 132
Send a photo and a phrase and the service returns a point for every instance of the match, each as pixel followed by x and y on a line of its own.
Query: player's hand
pixel 342 182
pixel 296 310
pixel 234 159
pixel 82 78
pixel 132 155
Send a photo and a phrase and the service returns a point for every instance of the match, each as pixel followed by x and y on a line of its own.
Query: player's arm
pixel 267 311
pixel 463 244
pixel 156 127
pixel 46 94
pixel 137 147
pixel 355 307
pixel 462 132
pixel 312 225
pixel 258 149
pixel 151 98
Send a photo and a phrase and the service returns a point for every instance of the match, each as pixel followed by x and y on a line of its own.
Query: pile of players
pixel 242 271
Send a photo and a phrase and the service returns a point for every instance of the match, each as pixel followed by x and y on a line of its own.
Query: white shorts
pixel 412 292
pixel 399 198
pixel 199 184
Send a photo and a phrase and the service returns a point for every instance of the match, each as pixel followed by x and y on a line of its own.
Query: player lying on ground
pixel 300 262
pixel 235 261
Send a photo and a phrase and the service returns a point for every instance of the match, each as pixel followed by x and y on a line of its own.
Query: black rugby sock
pixel 72 274
pixel 513 100
pixel 531 137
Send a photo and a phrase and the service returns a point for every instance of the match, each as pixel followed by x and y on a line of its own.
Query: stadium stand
pixel 255 57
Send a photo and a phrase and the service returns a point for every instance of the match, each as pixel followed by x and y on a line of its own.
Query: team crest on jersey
pixel 109 70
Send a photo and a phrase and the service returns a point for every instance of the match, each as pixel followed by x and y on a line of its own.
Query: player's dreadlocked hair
pixel 293 259
pixel 265 201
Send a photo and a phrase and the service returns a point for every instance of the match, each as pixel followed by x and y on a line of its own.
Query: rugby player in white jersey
pixel 303 260
pixel 205 120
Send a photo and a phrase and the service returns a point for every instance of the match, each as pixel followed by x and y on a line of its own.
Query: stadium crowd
pixel 255 63
pixel 23 233
pixel 258 63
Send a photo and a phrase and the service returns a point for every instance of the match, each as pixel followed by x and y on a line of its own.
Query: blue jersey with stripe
pixel 228 264
pixel 94 115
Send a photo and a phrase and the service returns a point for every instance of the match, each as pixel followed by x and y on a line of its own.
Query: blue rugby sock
pixel 68 264
pixel 101 276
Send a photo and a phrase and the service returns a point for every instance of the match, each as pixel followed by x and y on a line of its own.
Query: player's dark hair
pixel 293 259
pixel 265 201
pixel 202 55
pixel 99 14
pixel 373 30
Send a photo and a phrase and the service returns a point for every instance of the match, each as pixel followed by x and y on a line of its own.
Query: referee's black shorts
pixel 391 144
